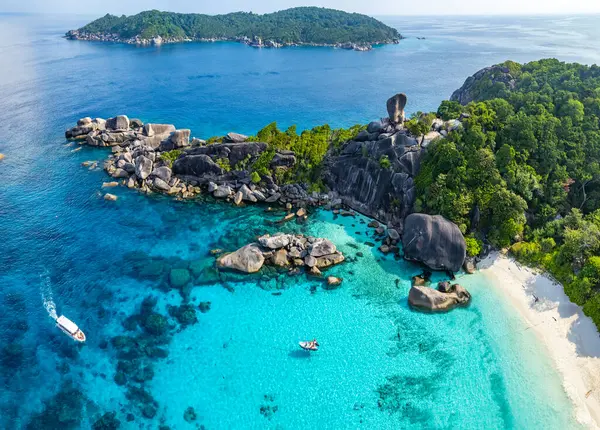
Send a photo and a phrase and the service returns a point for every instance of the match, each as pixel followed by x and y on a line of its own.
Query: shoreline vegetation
pixel 570 337
pixel 301 26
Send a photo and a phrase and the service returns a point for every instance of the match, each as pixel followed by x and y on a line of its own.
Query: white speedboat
pixel 70 328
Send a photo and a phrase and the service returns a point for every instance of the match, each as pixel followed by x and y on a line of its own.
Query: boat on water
pixel 70 328
pixel 311 345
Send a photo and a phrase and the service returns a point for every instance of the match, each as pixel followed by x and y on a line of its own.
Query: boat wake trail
pixel 46 291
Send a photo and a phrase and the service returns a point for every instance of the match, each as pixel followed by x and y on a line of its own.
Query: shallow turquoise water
pixel 380 366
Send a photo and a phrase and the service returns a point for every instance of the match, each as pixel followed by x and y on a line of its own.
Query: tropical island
pixel 310 26
pixel 511 160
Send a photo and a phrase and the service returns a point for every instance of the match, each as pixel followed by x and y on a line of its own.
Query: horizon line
pixel 412 15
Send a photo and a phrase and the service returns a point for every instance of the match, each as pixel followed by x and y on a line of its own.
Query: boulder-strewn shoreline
pixel 255 42
pixel 372 173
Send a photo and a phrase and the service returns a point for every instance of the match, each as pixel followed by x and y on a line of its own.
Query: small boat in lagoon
pixel 70 328
pixel 312 345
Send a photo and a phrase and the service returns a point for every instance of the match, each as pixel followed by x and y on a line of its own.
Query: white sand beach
pixel 572 339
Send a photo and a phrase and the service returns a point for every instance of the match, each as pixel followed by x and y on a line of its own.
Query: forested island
pixel 512 159
pixel 523 169
pixel 311 26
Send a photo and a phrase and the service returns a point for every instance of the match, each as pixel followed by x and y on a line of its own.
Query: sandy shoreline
pixel 571 338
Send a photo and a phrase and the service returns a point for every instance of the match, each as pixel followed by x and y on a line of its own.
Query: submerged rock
pixel 333 283
pixel 108 421
pixel 184 314
pixel 179 278
pixel 156 324
pixel 190 415
pixel 204 307
pixel 434 241
pixel 63 411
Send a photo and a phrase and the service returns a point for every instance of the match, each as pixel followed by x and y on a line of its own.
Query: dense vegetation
pixel 523 170
pixel 309 147
pixel 297 25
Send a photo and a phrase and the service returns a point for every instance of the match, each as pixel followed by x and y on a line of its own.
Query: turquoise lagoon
pixel 381 365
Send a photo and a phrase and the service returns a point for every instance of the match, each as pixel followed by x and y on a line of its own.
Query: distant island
pixel 305 26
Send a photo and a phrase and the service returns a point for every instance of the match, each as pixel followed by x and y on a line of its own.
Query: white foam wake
pixel 46 291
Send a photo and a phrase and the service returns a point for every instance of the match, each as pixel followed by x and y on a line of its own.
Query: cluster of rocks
pixel 445 298
pixel 389 237
pixel 284 251
pixel 255 42
pixel 160 158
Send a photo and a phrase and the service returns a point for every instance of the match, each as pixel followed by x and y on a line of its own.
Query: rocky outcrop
pixel 443 299
pixel 433 241
pixel 118 123
pixel 498 74
pixel 284 251
pixel 373 173
pixel 395 107
pixel 248 259
pixel 234 138
pixel 364 181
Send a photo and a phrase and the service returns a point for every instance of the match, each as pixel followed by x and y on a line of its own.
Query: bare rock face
pixel 321 247
pixel 151 130
pixel 177 139
pixel 434 241
pixel 280 258
pixel 143 167
pixel 120 122
pixel 429 299
pixel 234 138
pixel 248 259
pixel 196 165
pixel 395 108
pixel 276 241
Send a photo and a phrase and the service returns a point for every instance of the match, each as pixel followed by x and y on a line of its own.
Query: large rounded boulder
pixel 429 299
pixel 434 241
pixel 248 259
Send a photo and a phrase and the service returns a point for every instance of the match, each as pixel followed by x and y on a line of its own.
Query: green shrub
pixel 420 124
pixel 450 110
pixel 169 157
pixel 474 246
pixel 223 163
pixel 255 177
pixel 214 139
pixel 384 162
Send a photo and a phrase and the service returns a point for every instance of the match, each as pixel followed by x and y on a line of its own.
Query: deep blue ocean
pixel 380 366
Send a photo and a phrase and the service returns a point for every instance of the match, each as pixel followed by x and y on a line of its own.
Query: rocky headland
pixel 372 172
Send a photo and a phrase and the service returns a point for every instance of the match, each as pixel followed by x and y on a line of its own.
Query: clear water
pixel 62 243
